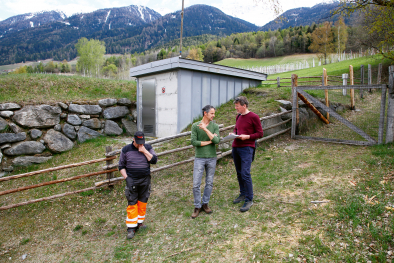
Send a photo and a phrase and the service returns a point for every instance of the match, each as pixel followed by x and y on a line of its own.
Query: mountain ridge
pixel 57 39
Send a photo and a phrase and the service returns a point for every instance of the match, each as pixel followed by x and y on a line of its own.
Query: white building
pixel 172 92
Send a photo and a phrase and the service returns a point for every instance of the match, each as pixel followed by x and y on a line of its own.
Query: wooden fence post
pixel 351 78
pixel 295 113
pixel 344 82
pixel 278 81
pixel 390 107
pixel 325 83
pixel 379 81
pixel 369 76
pixel 362 80
pixel 108 149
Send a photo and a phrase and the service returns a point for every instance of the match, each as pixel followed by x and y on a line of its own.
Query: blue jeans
pixel 243 161
pixel 201 164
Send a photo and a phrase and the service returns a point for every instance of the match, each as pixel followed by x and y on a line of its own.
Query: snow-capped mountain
pixel 24 21
pixel 111 18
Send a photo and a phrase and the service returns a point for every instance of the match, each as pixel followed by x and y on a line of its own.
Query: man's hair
pixel 207 108
pixel 242 101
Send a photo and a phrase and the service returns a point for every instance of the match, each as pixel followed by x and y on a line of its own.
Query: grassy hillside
pixel 351 225
pixel 252 62
pixel 43 88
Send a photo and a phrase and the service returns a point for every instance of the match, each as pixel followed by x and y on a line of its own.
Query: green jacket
pixel 199 135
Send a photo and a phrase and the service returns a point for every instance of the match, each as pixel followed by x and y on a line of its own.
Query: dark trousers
pixel 242 157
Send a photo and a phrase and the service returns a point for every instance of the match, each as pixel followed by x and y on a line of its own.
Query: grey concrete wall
pixel 197 89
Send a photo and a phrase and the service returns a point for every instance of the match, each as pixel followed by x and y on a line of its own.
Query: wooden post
pixel 362 80
pixel 344 82
pixel 369 76
pixel 278 81
pixel 351 78
pixel 295 113
pixel 108 149
pixel 379 74
pixel 325 83
pixel 390 107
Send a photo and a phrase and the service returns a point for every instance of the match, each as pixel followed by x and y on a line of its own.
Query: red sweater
pixel 248 124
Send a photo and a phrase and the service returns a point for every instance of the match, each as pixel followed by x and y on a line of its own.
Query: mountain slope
pixel 56 40
pixel 304 16
pixel 29 20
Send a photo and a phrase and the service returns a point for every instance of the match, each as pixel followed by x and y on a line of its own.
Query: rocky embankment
pixel 31 133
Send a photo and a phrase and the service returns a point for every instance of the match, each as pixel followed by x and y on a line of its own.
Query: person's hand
pixel 141 148
pixel 215 134
pixel 202 125
pixel 244 137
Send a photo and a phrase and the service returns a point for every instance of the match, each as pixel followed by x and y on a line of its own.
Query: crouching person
pixel 134 165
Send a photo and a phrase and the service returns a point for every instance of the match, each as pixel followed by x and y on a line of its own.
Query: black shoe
pixel 247 205
pixel 239 199
pixel 130 233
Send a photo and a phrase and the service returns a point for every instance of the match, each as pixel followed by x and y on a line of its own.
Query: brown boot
pixel 206 209
pixel 196 212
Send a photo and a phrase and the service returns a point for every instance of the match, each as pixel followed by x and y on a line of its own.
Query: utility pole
pixel 180 48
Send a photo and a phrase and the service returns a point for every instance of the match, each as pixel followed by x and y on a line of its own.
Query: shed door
pixel 148 107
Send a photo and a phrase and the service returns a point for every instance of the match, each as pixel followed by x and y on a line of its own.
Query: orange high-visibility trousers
pixel 135 214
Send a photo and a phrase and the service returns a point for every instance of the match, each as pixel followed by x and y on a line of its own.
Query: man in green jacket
pixel 205 134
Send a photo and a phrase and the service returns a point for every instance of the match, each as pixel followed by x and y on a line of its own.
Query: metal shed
pixel 172 92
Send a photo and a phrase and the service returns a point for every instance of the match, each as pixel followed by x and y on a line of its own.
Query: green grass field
pixel 51 88
pixel 252 62
pixel 354 185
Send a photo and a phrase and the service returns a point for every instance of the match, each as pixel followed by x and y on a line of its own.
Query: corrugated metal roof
pixel 182 63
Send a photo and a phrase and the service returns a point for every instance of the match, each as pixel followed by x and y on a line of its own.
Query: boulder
pixel 63 115
pixel 34 134
pixel 58 127
pixel 86 116
pixel 74 119
pixel 285 104
pixel 85 133
pixel 6 114
pixel 3 124
pixel 15 128
pixel 112 128
pixel 124 102
pixel 116 112
pixel 12 137
pixel 57 142
pixel 62 105
pixel 5 146
pixel 8 169
pixel 29 160
pixel 69 131
pixel 1 157
pixel 135 115
pixel 85 109
pixel 29 147
pixel 129 126
pixel 92 123
pixel 9 106
pixel 41 116
pixel 107 102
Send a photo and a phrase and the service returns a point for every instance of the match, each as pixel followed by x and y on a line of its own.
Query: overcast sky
pixel 253 11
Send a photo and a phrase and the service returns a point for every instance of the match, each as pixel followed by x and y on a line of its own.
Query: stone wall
pixel 30 134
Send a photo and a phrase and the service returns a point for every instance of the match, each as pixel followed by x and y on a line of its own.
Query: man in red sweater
pixel 248 127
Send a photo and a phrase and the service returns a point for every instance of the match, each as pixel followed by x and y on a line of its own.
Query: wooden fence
pixel 331 80
pixel 110 168
pixel 300 92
